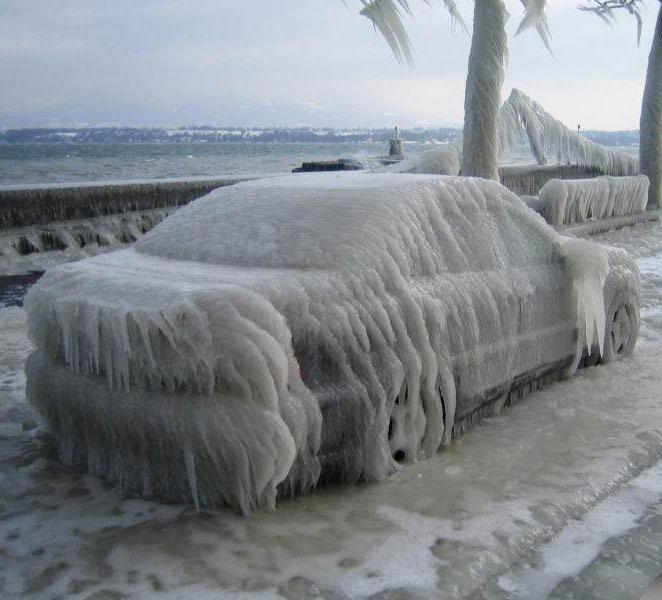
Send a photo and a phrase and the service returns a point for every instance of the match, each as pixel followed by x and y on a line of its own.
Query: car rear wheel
pixel 621 328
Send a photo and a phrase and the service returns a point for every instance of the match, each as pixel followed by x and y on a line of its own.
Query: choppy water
pixel 65 163
pixel 78 162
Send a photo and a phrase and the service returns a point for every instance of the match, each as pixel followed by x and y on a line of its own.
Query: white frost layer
pixel 380 286
pixel 441 160
pixel 579 200
pixel 554 143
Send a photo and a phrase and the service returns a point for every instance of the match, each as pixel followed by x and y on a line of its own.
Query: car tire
pixel 621 327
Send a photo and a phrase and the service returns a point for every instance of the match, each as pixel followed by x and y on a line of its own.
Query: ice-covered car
pixel 280 332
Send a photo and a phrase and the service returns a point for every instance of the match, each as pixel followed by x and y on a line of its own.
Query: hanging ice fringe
pixel 588 266
pixel 552 142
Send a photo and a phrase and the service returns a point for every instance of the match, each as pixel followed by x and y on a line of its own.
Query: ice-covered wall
pixel 552 142
pixel 270 330
pixel 577 201
pixel 38 247
pixel 122 228
pixel 22 206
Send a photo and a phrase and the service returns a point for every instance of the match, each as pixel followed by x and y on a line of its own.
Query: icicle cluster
pixel 588 266
pixel 343 319
pixel 579 200
pixel 552 142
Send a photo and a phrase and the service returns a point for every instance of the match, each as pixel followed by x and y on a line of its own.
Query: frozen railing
pixel 564 202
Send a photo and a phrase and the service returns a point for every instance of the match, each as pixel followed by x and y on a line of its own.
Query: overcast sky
pixel 294 62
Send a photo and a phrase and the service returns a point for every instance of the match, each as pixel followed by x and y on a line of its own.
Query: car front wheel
pixel 621 328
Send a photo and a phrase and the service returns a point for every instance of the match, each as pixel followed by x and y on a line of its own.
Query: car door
pixel 536 273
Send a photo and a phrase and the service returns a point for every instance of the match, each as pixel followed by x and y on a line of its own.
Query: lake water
pixel 65 163
pixel 77 162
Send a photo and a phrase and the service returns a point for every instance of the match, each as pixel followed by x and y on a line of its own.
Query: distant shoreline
pixel 279 135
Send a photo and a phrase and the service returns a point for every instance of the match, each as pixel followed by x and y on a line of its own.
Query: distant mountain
pixel 208 134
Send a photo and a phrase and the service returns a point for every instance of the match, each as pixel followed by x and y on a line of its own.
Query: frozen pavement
pixel 559 496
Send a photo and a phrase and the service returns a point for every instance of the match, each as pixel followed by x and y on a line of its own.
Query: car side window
pixel 522 237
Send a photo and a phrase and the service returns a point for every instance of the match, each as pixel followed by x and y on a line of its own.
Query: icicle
pixel 189 461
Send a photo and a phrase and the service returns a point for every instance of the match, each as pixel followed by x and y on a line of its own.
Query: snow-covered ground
pixel 560 495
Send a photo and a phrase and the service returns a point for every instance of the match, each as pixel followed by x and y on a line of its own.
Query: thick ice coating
pixel 578 200
pixel 326 323
pixel 441 160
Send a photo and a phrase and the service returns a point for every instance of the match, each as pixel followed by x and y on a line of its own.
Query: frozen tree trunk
pixel 650 134
pixel 482 98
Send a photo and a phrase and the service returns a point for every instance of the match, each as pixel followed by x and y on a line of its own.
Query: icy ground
pixel 559 496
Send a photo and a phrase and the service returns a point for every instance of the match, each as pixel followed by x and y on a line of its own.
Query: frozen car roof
pixel 326 220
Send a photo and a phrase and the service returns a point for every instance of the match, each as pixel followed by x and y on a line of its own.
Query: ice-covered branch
pixel 551 141
pixel 605 8
pixel 534 16
pixel 386 16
